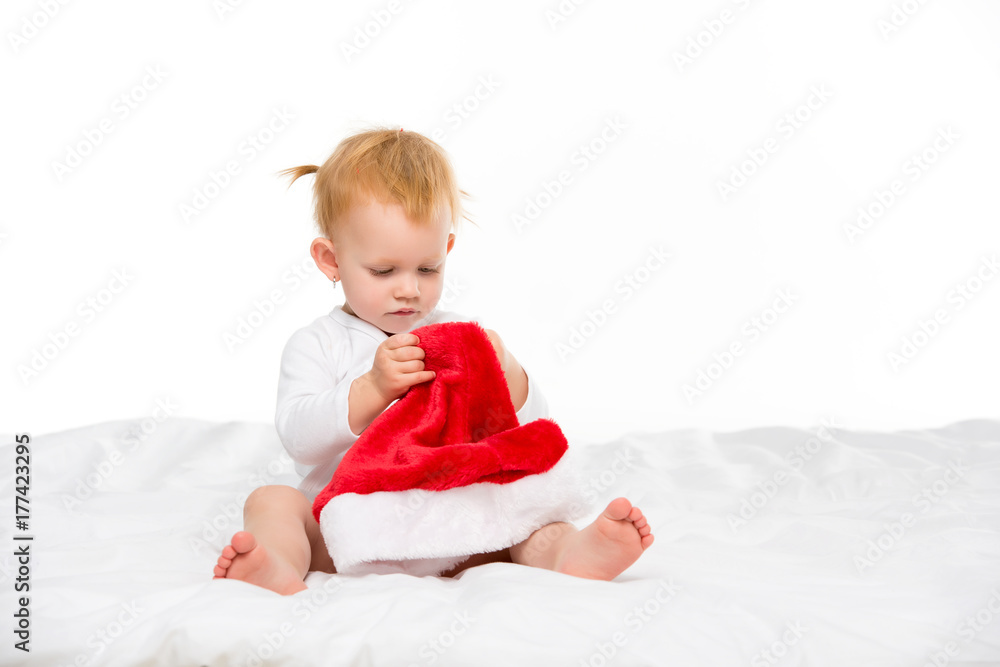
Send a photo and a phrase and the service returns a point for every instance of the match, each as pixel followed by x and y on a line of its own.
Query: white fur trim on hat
pixel 425 533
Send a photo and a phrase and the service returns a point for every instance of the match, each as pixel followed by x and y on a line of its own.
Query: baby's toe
pixel 618 509
pixel 243 542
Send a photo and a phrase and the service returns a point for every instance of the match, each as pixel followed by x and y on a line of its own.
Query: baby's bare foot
pixel 248 561
pixel 606 548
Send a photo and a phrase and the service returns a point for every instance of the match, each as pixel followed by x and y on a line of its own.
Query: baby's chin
pixel 394 324
pixel 391 331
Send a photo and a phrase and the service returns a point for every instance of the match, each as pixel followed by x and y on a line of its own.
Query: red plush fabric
pixel 458 429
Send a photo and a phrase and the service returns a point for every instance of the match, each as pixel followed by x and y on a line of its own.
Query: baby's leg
pixel 502 556
pixel 281 542
pixel 602 550
pixel 517 379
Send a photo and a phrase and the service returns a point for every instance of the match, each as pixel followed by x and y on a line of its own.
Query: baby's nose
pixel 408 287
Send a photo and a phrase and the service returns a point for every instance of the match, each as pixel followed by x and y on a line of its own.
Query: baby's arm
pixel 321 409
pixel 312 406
pixel 398 365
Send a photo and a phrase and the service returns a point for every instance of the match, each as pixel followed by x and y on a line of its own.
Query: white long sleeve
pixel 318 365
pixel 315 381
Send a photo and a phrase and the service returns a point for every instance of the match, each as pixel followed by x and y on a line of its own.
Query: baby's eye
pixel 428 270
pixel 383 272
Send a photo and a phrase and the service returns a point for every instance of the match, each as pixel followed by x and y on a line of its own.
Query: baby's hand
pixel 398 366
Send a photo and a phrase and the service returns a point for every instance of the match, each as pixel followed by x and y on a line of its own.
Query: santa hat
pixel 446 471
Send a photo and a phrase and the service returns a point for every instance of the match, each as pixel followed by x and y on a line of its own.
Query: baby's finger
pixel 422 376
pixel 409 366
pixel 399 340
pixel 407 353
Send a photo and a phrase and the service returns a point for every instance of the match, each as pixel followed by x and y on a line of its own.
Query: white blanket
pixel 774 546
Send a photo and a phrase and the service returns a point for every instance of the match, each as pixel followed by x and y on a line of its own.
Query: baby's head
pixel 386 204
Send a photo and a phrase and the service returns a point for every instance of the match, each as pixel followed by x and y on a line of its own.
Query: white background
pixel 554 87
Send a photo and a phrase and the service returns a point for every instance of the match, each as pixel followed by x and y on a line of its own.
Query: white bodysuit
pixel 318 365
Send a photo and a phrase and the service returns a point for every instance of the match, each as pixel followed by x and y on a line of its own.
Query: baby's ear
pixel 324 254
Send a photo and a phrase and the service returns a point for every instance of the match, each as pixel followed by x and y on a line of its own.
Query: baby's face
pixel 392 271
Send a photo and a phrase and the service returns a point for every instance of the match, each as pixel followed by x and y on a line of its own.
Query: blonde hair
pixel 387 166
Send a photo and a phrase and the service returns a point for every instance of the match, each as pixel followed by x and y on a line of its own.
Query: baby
pixel 386 203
